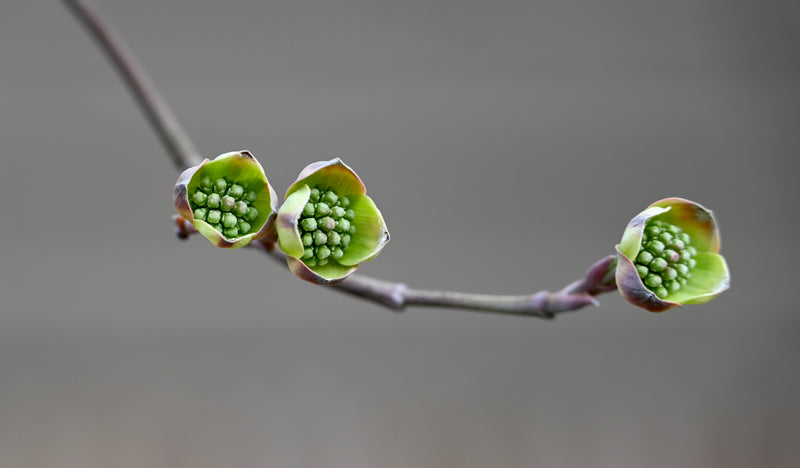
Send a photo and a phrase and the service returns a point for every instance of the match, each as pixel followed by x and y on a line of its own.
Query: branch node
pixel 397 298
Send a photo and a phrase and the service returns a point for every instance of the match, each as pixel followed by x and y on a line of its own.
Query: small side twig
pixel 395 296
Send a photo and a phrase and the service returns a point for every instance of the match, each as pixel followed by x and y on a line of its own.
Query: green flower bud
pixel 652 280
pixel 320 237
pixel 309 224
pixel 229 220
pixel 323 252
pixel 236 191
pixel 227 203
pixel 687 268
pixel 213 200
pixel 644 258
pixel 240 209
pixel 348 229
pixel 220 185
pixel 343 225
pixel 199 198
pixel 206 195
pixel 669 274
pixel 214 216
pixel 655 247
pixel 330 198
pixel 252 214
pixel 322 209
pixel 658 264
pixel 205 184
pixel 652 230
pixel 200 213
pixel 326 224
pixel 670 255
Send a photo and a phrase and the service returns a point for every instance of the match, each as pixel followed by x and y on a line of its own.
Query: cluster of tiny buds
pixel 666 259
pixel 325 226
pixel 226 206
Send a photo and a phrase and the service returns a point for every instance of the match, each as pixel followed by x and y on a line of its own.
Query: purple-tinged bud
pixel 206 196
pixel 690 271
pixel 341 212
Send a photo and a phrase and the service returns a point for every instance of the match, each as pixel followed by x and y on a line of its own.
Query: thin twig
pixel 395 296
pixel 169 130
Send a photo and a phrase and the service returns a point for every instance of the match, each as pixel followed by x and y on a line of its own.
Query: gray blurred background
pixel 550 123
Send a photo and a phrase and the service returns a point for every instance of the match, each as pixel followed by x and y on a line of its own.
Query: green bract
pixel 668 257
pixel 228 200
pixel 328 225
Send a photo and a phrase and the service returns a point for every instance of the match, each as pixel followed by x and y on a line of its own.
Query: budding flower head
pixel 228 200
pixel 669 256
pixel 328 225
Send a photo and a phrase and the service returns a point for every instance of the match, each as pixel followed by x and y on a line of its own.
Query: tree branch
pixel 395 296
pixel 172 135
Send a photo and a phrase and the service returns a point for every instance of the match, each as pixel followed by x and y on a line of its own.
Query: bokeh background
pixel 507 143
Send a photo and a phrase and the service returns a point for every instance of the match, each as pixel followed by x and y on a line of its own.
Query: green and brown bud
pixel 669 256
pixel 328 225
pixel 228 200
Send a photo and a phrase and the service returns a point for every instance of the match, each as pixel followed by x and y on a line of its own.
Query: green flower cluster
pixel 227 200
pixel 328 225
pixel 669 256
pixel 226 206
pixel 325 226
pixel 666 258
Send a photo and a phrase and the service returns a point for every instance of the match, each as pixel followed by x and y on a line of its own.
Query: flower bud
pixel 213 200
pixel 328 213
pixel 212 197
pixel 668 256
pixel 236 191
